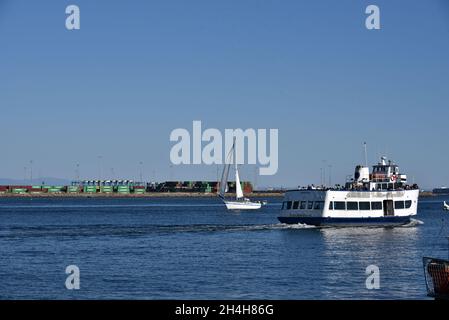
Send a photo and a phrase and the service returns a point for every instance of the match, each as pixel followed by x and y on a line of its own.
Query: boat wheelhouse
pixel 379 198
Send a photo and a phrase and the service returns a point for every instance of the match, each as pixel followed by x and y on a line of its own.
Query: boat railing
pixel 401 187
pixel 382 180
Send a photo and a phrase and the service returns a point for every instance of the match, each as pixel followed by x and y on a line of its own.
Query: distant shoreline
pixel 424 194
pixel 133 195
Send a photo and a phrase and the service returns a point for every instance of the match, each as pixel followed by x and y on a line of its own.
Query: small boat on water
pixel 436 273
pixel 240 202
pixel 445 206
pixel 382 198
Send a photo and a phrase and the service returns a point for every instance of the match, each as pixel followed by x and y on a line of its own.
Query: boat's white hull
pixel 242 205
pixel 315 207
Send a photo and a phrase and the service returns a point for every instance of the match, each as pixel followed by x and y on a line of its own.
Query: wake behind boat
pixel 241 202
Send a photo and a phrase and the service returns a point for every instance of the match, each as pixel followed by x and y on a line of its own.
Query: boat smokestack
pixel 361 174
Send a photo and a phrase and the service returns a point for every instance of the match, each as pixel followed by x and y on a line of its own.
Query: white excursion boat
pixel 240 203
pixel 381 198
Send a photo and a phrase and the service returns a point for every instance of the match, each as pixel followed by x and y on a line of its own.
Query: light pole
pixel 77 172
pixel 99 167
pixel 330 175
pixel 141 166
pixel 324 173
pixel 31 171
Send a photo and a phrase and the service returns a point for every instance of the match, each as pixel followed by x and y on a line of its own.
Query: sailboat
pixel 241 202
pixel 445 206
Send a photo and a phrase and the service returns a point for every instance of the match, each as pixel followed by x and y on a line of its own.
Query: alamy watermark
pixel 189 148
pixel 373 280
pixel 73 21
pixel 72 282
pixel 372 22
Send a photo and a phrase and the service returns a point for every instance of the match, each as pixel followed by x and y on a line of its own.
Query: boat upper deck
pixel 381 187
pixel 385 176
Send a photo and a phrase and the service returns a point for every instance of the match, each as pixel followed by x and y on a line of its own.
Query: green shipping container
pixel 55 189
pixel 73 189
pixel 139 191
pixel 19 190
pixel 90 189
pixel 106 189
pixel 123 189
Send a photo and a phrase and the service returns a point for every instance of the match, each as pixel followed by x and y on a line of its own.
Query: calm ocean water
pixel 192 248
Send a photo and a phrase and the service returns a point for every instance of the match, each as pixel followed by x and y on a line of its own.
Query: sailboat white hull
pixel 242 205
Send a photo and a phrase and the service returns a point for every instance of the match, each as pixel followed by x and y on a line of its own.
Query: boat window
pixel 289 205
pixel 390 186
pixel 302 205
pixel 310 205
pixel 384 186
pixel 319 205
pixel 331 205
pixel 283 205
pixel 295 205
pixel 408 204
pixel 399 205
pixel 376 205
pixel 364 205
pixel 352 205
pixel 340 205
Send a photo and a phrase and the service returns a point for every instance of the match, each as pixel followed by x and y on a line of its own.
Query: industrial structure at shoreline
pixel 123 187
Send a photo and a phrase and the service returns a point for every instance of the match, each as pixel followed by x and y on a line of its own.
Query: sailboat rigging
pixel 240 203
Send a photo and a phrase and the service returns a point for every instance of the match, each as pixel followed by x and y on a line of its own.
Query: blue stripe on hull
pixel 346 222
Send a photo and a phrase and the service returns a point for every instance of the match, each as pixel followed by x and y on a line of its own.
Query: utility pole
pixel 330 175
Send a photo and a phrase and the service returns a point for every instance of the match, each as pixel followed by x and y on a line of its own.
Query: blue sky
pixel 139 69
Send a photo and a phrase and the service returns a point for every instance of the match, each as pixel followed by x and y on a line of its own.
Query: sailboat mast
pixel 237 180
